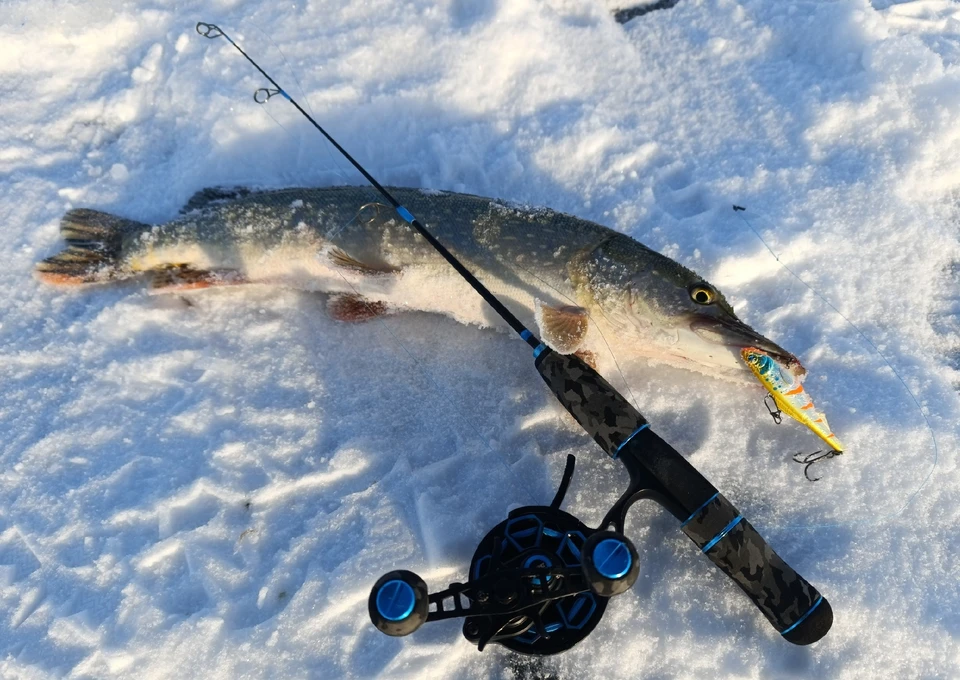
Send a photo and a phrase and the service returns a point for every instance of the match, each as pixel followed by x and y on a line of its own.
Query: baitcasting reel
pixel 539 583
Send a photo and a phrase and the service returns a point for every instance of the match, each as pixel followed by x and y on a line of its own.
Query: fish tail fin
pixel 94 242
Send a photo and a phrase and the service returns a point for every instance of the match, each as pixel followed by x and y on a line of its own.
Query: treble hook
pixel 810 458
pixel 208 30
pixel 262 95
pixel 775 412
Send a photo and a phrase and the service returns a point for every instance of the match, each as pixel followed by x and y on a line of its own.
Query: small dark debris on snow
pixel 529 668
pixel 622 16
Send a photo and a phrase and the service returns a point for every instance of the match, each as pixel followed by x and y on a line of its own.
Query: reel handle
pixel 794 607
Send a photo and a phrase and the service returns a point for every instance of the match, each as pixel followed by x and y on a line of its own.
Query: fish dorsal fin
pixel 342 259
pixel 563 328
pixel 211 195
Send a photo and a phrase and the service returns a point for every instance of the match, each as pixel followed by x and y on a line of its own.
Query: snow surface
pixel 208 485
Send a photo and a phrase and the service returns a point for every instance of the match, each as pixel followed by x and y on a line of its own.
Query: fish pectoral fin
pixel 352 307
pixel 185 277
pixel 341 259
pixel 588 357
pixel 562 328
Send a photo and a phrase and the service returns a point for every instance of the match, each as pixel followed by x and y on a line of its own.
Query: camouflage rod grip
pixel 792 605
pixel 618 427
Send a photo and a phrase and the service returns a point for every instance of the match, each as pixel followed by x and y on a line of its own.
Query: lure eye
pixel 703 295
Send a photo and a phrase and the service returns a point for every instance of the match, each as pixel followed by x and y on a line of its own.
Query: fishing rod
pixel 539 581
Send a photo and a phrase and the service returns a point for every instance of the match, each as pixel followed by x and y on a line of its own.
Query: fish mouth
pixel 736 334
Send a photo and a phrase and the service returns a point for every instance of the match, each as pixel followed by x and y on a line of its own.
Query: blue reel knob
pixel 610 563
pixel 395 600
pixel 612 558
pixel 398 603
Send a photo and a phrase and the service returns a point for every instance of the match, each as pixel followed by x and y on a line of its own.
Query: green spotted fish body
pixel 572 279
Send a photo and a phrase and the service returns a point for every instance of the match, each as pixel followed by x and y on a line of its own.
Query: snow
pixel 208 485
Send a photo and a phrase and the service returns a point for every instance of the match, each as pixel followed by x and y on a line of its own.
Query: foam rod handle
pixel 621 430
pixel 602 411
pixel 793 606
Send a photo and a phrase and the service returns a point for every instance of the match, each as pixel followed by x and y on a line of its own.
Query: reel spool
pixel 538 584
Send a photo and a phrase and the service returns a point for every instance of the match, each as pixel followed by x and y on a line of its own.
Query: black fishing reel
pixel 538 584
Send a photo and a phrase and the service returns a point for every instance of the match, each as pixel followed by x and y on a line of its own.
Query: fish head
pixel 700 324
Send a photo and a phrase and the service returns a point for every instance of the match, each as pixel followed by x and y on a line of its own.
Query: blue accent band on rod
pixel 526 335
pixel 624 442
pixel 286 95
pixel 405 214
pixel 804 617
pixel 694 513
pixel 539 350
pixel 726 530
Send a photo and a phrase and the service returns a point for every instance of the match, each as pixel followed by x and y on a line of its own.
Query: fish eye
pixel 703 294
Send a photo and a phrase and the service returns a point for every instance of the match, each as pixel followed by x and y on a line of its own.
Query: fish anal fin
pixel 342 259
pixel 185 277
pixel 353 308
pixel 563 328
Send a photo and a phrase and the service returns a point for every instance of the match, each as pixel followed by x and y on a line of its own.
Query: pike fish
pixel 576 280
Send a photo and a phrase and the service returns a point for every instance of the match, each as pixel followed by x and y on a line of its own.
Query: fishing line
pixel 936 450
pixel 338 169
pixel 356 219
pixel 657 471
pixel 289 134
pixel 213 31
pixel 596 327
pixel 418 364
pixel 429 376
pixel 568 377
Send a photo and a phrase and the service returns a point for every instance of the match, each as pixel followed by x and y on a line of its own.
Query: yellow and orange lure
pixel 789 395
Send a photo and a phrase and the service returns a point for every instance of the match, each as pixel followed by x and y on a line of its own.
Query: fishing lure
pixel 790 397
